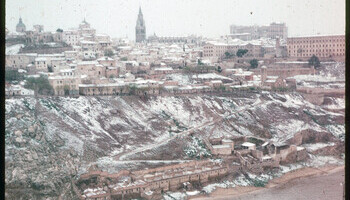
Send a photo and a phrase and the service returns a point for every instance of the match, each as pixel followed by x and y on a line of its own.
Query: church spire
pixel 140 27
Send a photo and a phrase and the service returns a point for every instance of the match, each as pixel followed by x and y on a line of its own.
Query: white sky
pixel 208 18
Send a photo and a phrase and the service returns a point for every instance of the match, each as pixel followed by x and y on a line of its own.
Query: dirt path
pixel 306 183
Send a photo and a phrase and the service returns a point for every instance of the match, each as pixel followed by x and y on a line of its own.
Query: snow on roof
pixel 70 52
pixel 62 77
pixel 272 77
pixel 67 70
pixel 33 76
pixel 191 193
pixel 22 71
pixel 221 146
pixel 87 42
pixel 248 144
pixel 266 143
pixel 226 140
pixel 88 62
pixel 40 59
pixel 270 81
pixel 162 68
pixel 266 158
pixel 52 55
pixel 300 148
pixel 105 58
pixel 210 76
pixel 125 47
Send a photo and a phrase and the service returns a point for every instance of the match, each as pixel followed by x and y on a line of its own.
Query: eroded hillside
pixel 50 141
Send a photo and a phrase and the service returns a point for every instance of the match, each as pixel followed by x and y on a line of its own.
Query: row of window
pixel 318 54
pixel 318 50
pixel 323 45
pixel 316 40
pixel 61 82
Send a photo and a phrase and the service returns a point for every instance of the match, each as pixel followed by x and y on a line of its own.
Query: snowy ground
pixel 14 49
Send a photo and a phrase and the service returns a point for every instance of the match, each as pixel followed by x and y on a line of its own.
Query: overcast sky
pixel 208 18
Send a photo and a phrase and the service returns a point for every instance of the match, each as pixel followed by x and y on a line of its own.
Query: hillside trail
pixel 124 155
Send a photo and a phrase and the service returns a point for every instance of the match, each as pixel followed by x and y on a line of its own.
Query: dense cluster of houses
pixel 95 64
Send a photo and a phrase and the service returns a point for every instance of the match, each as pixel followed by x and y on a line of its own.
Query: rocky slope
pixel 51 141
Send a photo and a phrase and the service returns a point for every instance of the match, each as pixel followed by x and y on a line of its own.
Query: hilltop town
pixel 164 115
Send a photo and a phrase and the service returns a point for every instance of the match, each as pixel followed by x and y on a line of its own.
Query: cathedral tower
pixel 140 28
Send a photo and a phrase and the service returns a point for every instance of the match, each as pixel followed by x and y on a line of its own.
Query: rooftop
pixel 248 144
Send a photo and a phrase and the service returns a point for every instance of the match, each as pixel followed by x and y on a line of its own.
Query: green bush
pixel 253 63
pixel 13 75
pixel 241 52
pixel 41 85
pixel 108 52
pixel 314 61
pixel 259 183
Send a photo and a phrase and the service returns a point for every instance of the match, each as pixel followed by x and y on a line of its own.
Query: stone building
pixel 218 50
pixel 273 30
pixel 140 28
pixel 150 183
pixel 71 37
pixel 65 83
pixel 20 60
pixel 324 47
pixel 41 64
pixel 192 39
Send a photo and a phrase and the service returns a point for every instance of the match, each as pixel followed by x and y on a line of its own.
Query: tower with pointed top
pixel 140 28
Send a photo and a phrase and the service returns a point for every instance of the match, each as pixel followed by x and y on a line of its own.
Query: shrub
pixel 241 52
pixel 41 85
pixel 253 63
pixel 13 75
pixel 314 61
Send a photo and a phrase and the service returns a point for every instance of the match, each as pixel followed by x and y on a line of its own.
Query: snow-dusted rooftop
pixel 248 144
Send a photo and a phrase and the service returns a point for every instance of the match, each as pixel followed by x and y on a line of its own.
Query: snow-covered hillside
pixel 50 141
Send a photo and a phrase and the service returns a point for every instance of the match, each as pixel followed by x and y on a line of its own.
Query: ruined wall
pixel 181 165
pixel 47 50
pixel 316 99
pixel 301 155
pixel 257 154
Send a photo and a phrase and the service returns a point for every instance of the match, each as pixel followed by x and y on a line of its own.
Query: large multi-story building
pixel 324 47
pixel 192 39
pixel 273 30
pixel 140 28
pixel 217 49
pixel 71 37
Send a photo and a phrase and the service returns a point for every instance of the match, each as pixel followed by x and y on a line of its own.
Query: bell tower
pixel 140 28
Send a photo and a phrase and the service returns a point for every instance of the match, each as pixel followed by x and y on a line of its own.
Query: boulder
pixel 18 133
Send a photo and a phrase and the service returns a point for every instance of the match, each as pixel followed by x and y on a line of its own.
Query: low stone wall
pixel 46 50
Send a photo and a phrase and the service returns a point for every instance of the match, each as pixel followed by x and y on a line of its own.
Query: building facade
pixel 324 47
pixel 213 49
pixel 273 31
pixel 140 28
